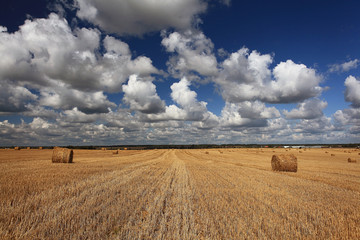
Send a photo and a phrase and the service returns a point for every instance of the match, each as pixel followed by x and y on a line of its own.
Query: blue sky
pixel 173 72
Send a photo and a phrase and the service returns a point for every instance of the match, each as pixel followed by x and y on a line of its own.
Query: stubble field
pixel 179 194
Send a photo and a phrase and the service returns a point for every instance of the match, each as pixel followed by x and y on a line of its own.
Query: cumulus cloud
pixel 136 17
pixel 309 109
pixel 314 126
pixel 48 49
pixel 256 110
pixel 59 96
pixel 346 117
pixel 14 98
pixel 76 116
pixel 352 92
pixel 344 67
pixel 186 98
pixel 35 110
pixel 247 114
pixel 246 76
pixel 293 82
pixel 142 96
pixel 193 51
pixel 187 107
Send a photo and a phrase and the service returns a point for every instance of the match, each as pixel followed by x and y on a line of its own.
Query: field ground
pixel 179 194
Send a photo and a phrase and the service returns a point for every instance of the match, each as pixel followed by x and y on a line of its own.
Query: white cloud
pixel 142 96
pixel 352 92
pixel 48 49
pixel 314 126
pixel 76 116
pixel 59 96
pixel 39 123
pixel 210 121
pixel 190 108
pixel 231 116
pixel 34 110
pixel 136 17
pixel 14 98
pixel 226 2
pixel 186 98
pixel 247 77
pixel 309 109
pixel 293 83
pixel 347 117
pixel 256 110
pixel 194 52
pixel 344 67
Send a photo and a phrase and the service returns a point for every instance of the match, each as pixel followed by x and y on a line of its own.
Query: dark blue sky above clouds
pixel 193 71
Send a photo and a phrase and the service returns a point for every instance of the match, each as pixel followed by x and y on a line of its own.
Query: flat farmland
pixel 179 194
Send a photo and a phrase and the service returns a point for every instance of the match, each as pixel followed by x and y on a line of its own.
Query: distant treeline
pixel 197 146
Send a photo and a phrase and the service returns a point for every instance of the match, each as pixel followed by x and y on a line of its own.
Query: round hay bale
pixel 16 148
pixel 284 162
pixel 62 155
pixel 28 148
pixel 116 152
pixel 351 160
pixel 40 148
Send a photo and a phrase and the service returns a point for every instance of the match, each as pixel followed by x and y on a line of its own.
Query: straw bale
pixel 28 148
pixel 17 148
pixel 40 148
pixel 116 152
pixel 284 162
pixel 351 160
pixel 62 155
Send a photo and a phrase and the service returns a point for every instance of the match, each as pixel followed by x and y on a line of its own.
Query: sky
pixel 125 72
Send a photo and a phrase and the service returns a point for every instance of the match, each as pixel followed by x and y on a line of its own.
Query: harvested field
pixel 179 194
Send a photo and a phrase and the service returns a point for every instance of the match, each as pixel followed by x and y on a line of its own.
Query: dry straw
pixel 351 160
pixel 62 155
pixel 116 152
pixel 284 162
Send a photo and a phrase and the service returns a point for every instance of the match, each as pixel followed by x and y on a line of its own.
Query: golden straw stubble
pixel 284 162
pixel 62 155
